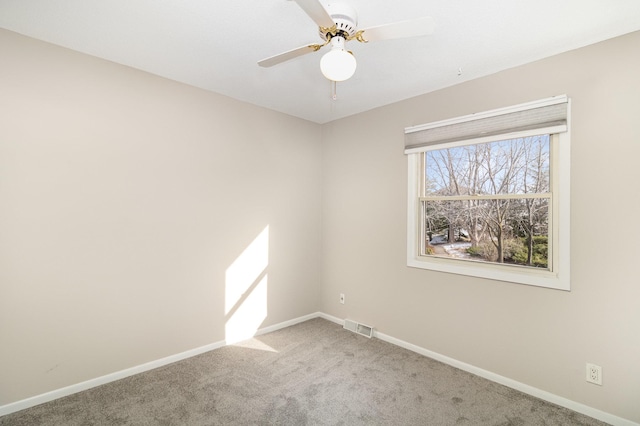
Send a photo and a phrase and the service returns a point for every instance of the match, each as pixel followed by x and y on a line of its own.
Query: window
pixel 489 194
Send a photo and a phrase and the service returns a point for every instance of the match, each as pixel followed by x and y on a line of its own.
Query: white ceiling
pixel 216 44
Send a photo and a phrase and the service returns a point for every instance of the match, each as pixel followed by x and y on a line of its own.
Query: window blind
pixel 543 116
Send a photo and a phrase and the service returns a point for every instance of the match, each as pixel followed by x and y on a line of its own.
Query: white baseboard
pixel 530 390
pixel 331 318
pixel 288 323
pixel 538 393
pixel 112 377
pixel 92 383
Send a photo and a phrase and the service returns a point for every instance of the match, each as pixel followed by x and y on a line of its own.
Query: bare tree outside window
pixel 488 202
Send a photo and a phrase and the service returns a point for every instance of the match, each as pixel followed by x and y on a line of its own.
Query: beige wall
pixel 536 336
pixel 124 198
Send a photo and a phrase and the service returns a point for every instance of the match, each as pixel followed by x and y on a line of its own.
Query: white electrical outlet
pixel 342 298
pixel 594 374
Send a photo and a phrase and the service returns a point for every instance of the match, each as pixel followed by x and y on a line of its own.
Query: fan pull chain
pixel 334 97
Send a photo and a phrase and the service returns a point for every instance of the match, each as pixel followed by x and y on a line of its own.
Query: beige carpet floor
pixel 312 373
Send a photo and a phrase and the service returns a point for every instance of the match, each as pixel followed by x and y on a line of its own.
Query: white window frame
pixel 558 277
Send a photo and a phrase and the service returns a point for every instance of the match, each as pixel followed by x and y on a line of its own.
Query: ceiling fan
pixel 338 24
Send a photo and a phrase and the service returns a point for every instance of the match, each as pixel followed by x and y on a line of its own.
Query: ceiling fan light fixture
pixel 338 64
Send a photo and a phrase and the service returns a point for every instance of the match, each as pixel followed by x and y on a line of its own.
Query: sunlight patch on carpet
pixel 255 344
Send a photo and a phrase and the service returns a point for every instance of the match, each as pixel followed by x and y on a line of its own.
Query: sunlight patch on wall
pixel 246 290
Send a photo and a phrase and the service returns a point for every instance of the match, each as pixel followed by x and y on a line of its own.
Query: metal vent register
pixel 358 328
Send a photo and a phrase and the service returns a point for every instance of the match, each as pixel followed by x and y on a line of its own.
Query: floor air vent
pixel 356 327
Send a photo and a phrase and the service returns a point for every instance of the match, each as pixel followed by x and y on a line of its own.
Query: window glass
pixel 488 202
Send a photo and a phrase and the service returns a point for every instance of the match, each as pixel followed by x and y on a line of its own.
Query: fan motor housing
pixel 346 19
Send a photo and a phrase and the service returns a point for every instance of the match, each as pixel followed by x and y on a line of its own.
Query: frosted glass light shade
pixel 338 64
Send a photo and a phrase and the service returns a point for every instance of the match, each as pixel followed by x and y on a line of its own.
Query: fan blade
pixel 317 12
pixel 282 57
pixel 411 28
